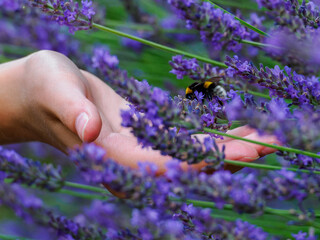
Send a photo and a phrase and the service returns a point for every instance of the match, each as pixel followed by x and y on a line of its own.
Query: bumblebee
pixel 209 88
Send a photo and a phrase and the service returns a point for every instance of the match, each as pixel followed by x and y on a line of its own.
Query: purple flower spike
pixel 30 172
pixel 68 13
pixel 290 13
pixel 300 52
pixel 304 236
pixel 31 208
pixel 217 29
pixel 281 83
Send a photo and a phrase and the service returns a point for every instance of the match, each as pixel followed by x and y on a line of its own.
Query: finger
pixel 262 150
pixel 237 150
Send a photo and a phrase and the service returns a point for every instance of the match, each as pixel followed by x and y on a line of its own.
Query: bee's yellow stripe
pixel 188 90
pixel 207 84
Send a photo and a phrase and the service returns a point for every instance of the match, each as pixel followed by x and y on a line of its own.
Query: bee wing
pixel 194 85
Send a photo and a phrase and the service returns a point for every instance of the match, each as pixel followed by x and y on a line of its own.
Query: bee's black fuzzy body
pixel 208 89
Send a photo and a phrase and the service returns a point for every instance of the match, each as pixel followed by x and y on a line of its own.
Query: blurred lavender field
pixel 266 55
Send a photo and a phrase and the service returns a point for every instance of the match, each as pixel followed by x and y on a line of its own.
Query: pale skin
pixel 42 95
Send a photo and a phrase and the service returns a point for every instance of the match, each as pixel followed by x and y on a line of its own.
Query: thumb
pixel 87 121
pixel 77 113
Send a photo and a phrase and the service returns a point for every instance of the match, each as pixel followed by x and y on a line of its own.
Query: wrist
pixel 11 106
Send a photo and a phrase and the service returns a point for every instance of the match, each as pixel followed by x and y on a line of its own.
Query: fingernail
pixel 81 124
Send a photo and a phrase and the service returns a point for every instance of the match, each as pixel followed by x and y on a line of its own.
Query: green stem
pixel 259 94
pixel 281 148
pixel 139 26
pixel 78 186
pixel 160 46
pixel 198 203
pixel 266 167
pixel 82 195
pixel 9 237
pixel 18 50
pixel 244 23
pixel 314 224
pixel 112 24
pixel 237 5
pixel 4 59
pixel 85 187
pixel 135 26
pixel 205 204
pixel 258 44
pixel 266 96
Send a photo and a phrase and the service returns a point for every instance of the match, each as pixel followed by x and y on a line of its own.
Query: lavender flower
pixel 155 211
pixel 151 223
pixel 183 67
pixel 18 199
pixel 298 52
pixel 256 21
pixel 210 112
pixel 171 24
pixel 39 35
pixel 245 192
pixel 303 236
pixel 155 33
pixel 41 150
pixel 136 13
pixel 31 208
pixel 99 210
pixel 200 221
pixel 68 13
pixel 291 14
pixel 297 28
pixel 217 29
pixel 12 5
pixel 191 68
pixel 102 56
pixel 177 145
pixel 31 30
pixel 284 84
pixel 133 45
pixel 2 176
pixel 30 172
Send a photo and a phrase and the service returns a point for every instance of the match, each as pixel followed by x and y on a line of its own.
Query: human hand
pixel 44 94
